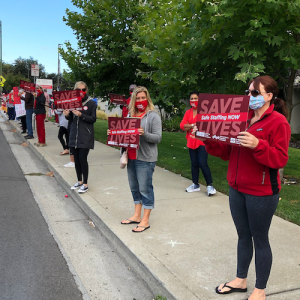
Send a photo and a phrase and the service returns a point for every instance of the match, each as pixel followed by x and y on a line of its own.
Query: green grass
pixel 173 155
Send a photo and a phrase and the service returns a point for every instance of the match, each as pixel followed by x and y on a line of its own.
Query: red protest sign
pixel 117 99
pixel 17 99
pixel 222 117
pixel 70 100
pixel 124 132
pixel 27 86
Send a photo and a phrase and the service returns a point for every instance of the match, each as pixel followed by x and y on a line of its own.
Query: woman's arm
pixel 184 124
pixel 156 130
pixel 91 118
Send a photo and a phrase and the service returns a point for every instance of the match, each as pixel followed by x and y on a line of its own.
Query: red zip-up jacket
pixel 255 171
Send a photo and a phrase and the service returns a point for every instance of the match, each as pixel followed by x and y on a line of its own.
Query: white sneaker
pixel 193 188
pixel 83 189
pixel 69 165
pixel 211 190
pixel 76 186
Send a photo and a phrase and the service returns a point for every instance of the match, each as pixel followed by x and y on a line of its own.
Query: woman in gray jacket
pixel 141 162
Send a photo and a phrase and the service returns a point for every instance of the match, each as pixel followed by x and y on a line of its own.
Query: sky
pixel 35 28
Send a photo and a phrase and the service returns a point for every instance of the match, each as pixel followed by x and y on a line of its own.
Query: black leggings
pixel 252 216
pixel 63 131
pixel 23 121
pixel 81 163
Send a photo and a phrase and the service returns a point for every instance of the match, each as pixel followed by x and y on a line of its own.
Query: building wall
pixel 295 119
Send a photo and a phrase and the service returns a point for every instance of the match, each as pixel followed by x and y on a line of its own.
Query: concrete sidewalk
pixel 191 245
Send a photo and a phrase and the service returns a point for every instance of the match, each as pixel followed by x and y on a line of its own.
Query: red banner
pixel 27 86
pixel 222 117
pixel 17 99
pixel 70 100
pixel 124 132
pixel 117 99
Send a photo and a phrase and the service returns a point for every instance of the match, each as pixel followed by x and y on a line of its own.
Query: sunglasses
pixel 83 90
pixel 254 93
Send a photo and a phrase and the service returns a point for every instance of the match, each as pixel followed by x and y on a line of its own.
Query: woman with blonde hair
pixel 141 162
pixel 81 138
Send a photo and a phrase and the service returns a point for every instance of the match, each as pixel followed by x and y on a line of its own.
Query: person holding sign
pixel 125 108
pixel 141 162
pixel 40 115
pixel 254 180
pixel 81 138
pixel 29 102
pixel 197 150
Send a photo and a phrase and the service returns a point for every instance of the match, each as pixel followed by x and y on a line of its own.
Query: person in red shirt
pixel 254 180
pixel 197 150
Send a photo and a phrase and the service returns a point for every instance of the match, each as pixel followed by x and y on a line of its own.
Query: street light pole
pixel 58 66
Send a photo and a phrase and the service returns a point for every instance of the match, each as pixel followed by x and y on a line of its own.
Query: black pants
pixel 63 131
pixel 24 125
pixel 11 113
pixel 199 160
pixel 81 163
pixel 252 216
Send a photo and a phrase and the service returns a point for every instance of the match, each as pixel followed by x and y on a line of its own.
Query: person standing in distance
pixel 198 154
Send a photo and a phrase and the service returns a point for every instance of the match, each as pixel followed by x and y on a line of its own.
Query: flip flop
pixel 232 290
pixel 130 222
pixel 145 228
pixel 62 153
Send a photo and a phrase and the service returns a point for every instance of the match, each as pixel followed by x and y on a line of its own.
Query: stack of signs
pixel 222 117
pixel 27 86
pixel 124 132
pixel 69 100
pixel 17 99
pixel 117 99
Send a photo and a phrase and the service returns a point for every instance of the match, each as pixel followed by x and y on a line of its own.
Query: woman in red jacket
pixel 197 150
pixel 254 181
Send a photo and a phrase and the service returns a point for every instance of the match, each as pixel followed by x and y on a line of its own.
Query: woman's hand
pixel 248 140
pixel 77 113
pixel 34 94
pixel 195 129
pixel 108 132
pixel 66 112
pixel 141 131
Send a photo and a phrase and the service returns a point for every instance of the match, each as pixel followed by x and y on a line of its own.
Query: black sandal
pixel 232 290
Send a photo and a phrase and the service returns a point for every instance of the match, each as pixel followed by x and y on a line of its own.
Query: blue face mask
pixel 256 102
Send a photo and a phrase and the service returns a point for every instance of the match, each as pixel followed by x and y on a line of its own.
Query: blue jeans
pixel 140 175
pixel 29 113
pixel 199 160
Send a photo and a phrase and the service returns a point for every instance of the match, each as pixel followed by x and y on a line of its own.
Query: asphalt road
pixel 31 264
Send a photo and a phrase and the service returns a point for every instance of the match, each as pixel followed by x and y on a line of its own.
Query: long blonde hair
pixel 132 109
pixel 81 83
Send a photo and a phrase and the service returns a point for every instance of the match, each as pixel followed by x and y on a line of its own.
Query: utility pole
pixel 0 53
pixel 58 67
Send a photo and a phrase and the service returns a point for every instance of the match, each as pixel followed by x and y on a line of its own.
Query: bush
pixel 101 115
pixel 172 125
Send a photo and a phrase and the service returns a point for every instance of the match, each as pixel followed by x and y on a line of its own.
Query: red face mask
pixel 142 105
pixel 82 94
pixel 39 92
pixel 194 104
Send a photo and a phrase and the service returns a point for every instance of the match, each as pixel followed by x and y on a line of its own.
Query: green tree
pixel 23 66
pixel 12 80
pixel 104 59
pixel 217 46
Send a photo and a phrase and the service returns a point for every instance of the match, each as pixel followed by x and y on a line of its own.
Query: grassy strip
pixel 174 156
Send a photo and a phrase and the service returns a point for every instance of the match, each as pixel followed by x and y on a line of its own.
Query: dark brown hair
pixel 271 86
